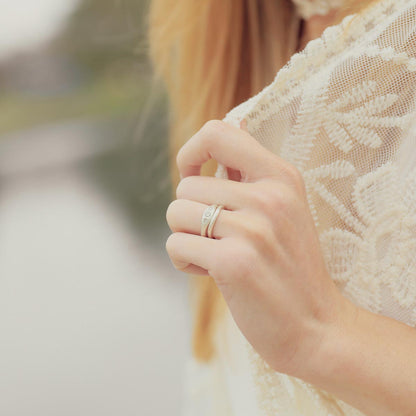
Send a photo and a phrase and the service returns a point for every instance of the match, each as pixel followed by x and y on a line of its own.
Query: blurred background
pixel 93 317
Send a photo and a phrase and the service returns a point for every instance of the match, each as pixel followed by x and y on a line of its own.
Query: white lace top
pixel 343 111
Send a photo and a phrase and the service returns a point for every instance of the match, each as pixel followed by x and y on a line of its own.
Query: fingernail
pixel 243 124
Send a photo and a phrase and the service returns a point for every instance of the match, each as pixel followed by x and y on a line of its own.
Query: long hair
pixel 213 55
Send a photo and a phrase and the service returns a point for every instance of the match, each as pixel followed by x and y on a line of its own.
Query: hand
pixel 266 257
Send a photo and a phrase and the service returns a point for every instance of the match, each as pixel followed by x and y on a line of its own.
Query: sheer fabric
pixel 343 112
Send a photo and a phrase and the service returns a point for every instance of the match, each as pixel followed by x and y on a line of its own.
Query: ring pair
pixel 209 217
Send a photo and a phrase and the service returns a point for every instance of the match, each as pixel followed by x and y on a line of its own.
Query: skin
pixel 267 261
pixel 314 26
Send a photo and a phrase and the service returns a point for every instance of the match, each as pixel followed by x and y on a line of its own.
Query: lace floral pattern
pixel 384 254
pixel 342 111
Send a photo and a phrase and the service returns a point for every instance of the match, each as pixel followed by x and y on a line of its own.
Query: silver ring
pixel 213 220
pixel 206 219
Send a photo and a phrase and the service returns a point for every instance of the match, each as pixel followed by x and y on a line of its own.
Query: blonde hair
pixel 212 56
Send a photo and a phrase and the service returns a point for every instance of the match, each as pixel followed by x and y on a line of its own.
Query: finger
pixel 210 190
pixel 185 250
pixel 231 147
pixel 191 269
pixel 232 174
pixel 185 216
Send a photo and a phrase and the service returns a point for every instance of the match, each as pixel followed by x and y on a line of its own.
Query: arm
pixel 266 259
pixel 370 363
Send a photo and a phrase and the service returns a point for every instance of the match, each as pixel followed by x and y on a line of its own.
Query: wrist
pixel 332 339
pixel 343 364
pixel 365 360
pixel 338 341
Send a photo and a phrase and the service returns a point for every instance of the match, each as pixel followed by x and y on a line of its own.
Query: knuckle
pixel 170 212
pixel 267 199
pixel 259 233
pixel 170 245
pixel 183 187
pixel 223 265
pixel 294 176
pixel 172 248
pixel 252 229
pixel 276 199
pixel 211 129
pixel 243 260
pixel 179 157
pixel 284 201
pixel 213 125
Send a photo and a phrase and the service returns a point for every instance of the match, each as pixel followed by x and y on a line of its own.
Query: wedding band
pixel 206 218
pixel 213 220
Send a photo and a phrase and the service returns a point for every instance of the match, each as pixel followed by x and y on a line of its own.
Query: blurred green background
pixel 94 318
pixel 96 69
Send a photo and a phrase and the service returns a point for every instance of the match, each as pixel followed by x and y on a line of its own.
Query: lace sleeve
pixel 343 111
